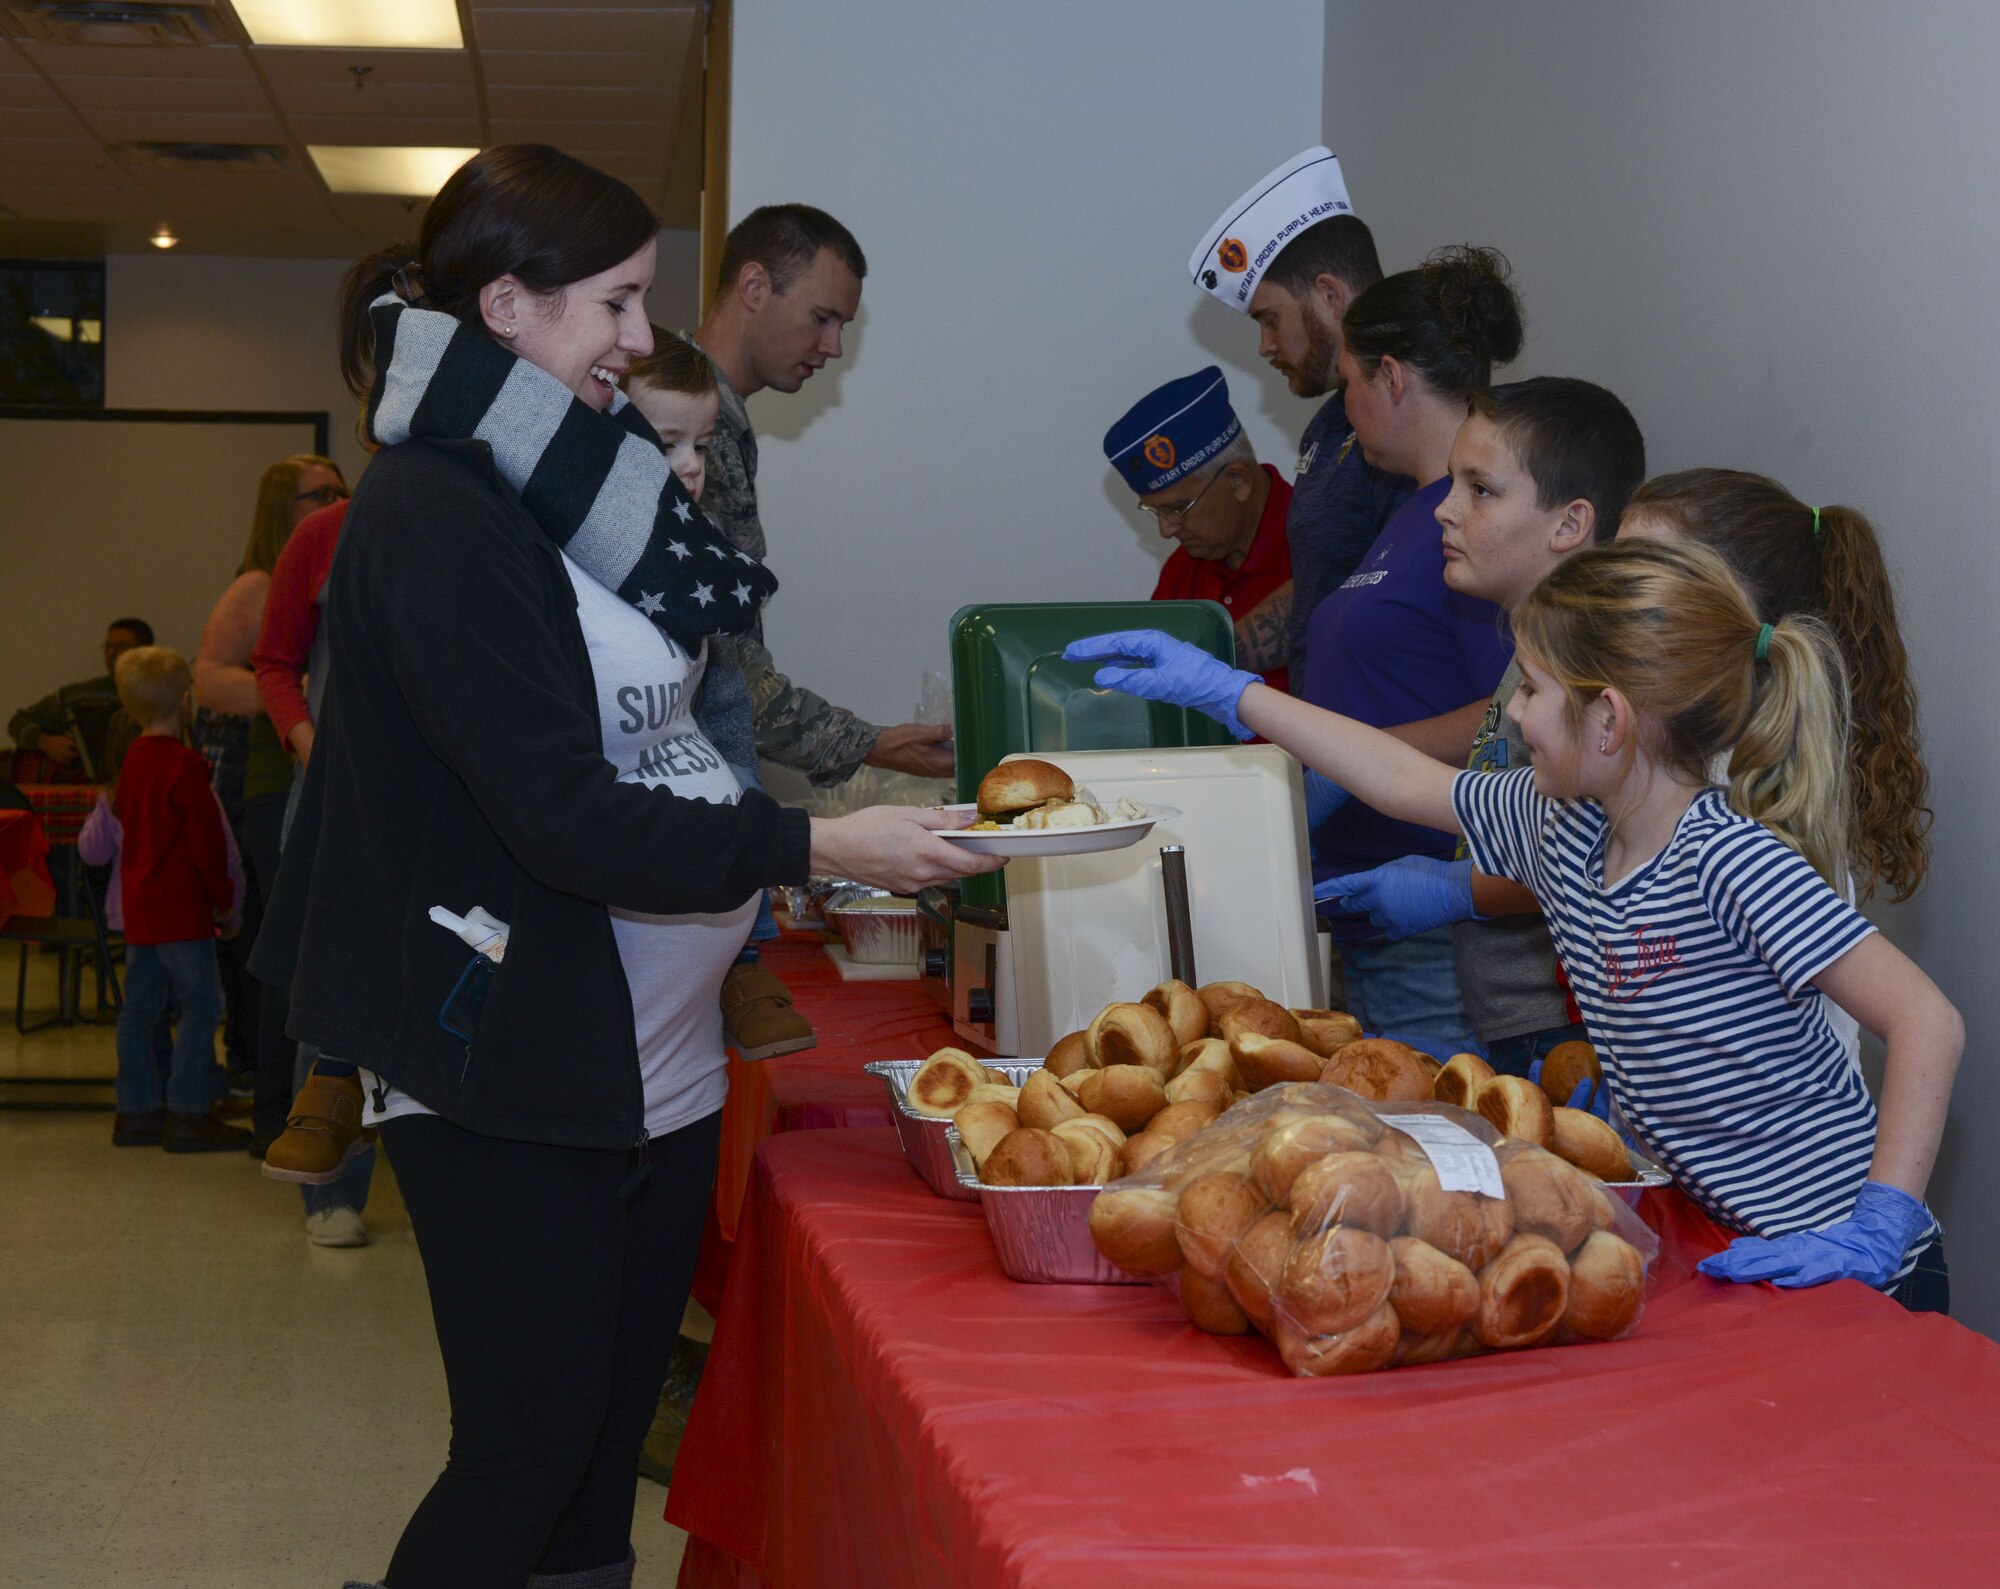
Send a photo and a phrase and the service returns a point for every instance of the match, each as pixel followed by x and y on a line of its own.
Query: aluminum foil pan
pixel 1042 1233
pixel 876 928
pixel 924 1136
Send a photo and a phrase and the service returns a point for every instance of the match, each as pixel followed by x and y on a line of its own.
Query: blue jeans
pixel 1409 988
pixel 765 928
pixel 1512 1056
pixel 154 973
pixel 351 1190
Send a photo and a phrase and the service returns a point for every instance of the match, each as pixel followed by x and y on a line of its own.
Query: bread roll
pixel 1270 1061
pixel 1132 1034
pixel 1128 1094
pixel 1589 1144
pixel 1258 1264
pixel 1432 1291
pixel 1260 1016
pixel 944 1082
pixel 996 1092
pixel 1179 1121
pixel 1021 784
pixel 1369 1345
pixel 1044 1103
pixel 1183 1008
pixel 1607 1288
pixel 1140 1150
pixel 1565 1066
pixel 1070 1054
pixel 1209 1306
pixel 1073 1082
pixel 1468 1226
pixel 1027 1158
pixel 1218 996
pixel 1378 1068
pixel 1433 1068
pixel 981 1125
pixel 1516 1107
pixel 1134 1229
pixel 1109 1128
pixel 1204 1087
pixel 1460 1079
pixel 1550 1198
pixel 1522 1294
pixel 1214 1211
pixel 1281 1154
pixel 1413 1350
pixel 1208 1053
pixel 1346 1188
pixel 1324 1033
pixel 1093 1158
pixel 1334 1280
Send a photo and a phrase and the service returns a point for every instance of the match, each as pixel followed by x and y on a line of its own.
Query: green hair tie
pixel 1815 524
pixel 1763 642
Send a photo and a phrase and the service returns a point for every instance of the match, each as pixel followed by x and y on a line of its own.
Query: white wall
pixel 1028 182
pixel 1769 227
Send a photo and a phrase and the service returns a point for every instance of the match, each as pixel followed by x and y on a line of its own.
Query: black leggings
pixel 556 1307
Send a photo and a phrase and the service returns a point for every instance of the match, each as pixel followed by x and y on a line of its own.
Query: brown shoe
pixel 323 1133
pixel 201 1133
pixel 757 1015
pixel 140 1130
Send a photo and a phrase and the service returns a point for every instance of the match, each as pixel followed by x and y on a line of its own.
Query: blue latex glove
pixel 1867 1246
pixel 1405 897
pixel 1323 798
pixel 1591 1097
pixel 1172 671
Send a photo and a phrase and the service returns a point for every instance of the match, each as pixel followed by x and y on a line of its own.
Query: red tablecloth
pixel 63 808
pixel 883 1407
pixel 823 1086
pixel 26 889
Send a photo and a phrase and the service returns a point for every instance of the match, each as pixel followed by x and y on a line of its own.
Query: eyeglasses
pixel 325 496
pixel 1174 518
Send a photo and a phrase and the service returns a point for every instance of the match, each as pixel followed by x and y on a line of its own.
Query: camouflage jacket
pixel 795 727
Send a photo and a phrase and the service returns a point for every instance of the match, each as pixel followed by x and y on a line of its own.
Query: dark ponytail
pixel 1451 320
pixel 1793 562
pixel 519 209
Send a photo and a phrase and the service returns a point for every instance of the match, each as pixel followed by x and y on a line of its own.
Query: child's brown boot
pixel 758 1019
pixel 323 1133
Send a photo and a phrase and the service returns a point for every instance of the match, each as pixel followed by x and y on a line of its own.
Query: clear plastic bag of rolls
pixel 1351 1234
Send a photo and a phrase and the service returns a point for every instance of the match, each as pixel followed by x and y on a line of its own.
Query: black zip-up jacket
pixel 459 761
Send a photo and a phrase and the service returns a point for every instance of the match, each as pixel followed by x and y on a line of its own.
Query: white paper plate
pixel 1012 842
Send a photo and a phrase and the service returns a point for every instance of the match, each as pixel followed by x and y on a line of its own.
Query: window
pixel 52 333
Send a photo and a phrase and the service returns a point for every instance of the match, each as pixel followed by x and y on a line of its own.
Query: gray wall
pixel 1770 227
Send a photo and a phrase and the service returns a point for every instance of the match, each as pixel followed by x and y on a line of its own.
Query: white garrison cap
pixel 1239 248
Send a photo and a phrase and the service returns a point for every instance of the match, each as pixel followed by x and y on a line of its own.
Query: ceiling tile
pixel 28 93
pixel 426 132
pixel 386 99
pixel 166 93
pixel 571 104
pixel 695 8
pixel 629 137
pixel 653 69
pixel 116 126
pixel 206 62
pixel 579 27
pixel 331 66
pixel 60 204
pixel 56 123
pixel 75 153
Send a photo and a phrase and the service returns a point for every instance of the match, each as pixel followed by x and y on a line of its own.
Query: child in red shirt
pixel 176 889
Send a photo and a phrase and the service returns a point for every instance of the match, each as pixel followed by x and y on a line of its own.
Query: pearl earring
pixel 1604 746
pixel 506 331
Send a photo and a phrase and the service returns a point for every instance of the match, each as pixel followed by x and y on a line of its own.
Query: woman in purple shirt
pixel 1394 645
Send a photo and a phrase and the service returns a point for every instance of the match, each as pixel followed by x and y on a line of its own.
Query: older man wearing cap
pixel 1182 449
pixel 1292 254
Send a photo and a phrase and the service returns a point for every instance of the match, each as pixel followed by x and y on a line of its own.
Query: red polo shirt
pixel 1267 566
pixel 175 860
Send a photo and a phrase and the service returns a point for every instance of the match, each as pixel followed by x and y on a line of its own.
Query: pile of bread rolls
pixel 1139 1079
pixel 1310 1218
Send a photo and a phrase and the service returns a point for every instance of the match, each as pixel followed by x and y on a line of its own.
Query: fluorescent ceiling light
pixel 373 168
pixel 371 24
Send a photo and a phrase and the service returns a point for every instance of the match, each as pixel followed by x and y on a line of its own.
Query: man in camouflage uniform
pixel 790 279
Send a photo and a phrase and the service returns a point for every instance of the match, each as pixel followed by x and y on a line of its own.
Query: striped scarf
pixel 597 483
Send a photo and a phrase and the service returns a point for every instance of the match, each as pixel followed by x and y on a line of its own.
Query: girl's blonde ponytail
pixel 1789 768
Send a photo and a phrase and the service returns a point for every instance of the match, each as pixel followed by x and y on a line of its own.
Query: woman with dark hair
pixel 1393 644
pixel 520 614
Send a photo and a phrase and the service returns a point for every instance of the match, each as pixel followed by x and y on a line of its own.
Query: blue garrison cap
pixel 1173 431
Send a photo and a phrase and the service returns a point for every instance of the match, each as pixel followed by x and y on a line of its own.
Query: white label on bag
pixel 1463 1163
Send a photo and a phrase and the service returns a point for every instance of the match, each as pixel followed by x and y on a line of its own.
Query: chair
pixel 72 937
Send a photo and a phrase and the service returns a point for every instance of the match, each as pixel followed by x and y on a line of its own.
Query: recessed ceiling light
pixel 373 168
pixel 164 238
pixel 371 24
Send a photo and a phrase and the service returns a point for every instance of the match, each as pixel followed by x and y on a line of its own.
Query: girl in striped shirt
pixel 1704 941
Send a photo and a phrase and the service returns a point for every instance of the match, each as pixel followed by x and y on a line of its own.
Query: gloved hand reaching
pixel 1405 897
pixel 1323 798
pixel 1592 1097
pixel 1867 1246
pixel 1171 671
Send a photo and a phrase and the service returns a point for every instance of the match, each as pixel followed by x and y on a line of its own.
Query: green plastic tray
pixel 1013 694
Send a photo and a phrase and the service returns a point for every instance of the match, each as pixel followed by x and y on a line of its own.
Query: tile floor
pixel 192 1396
